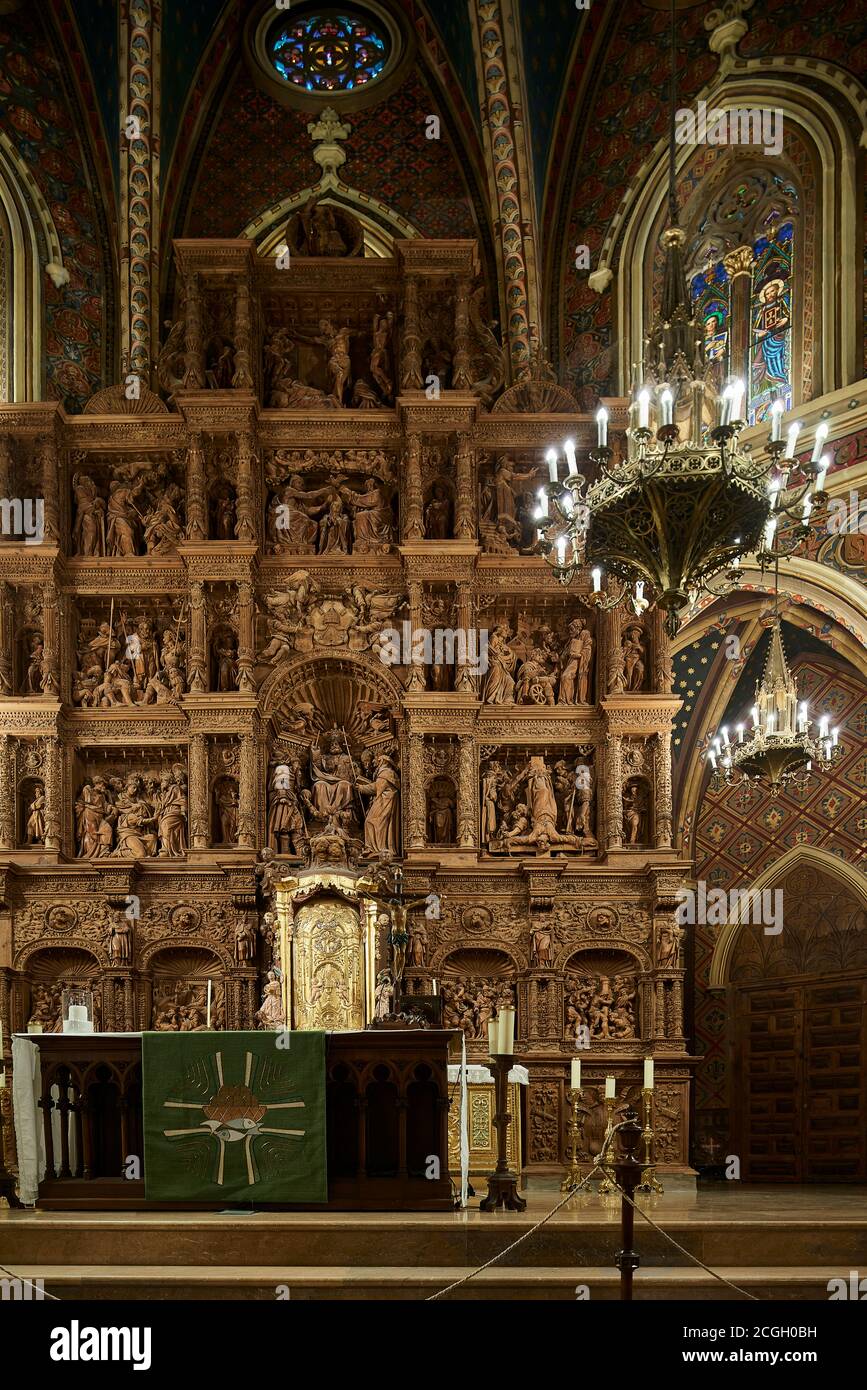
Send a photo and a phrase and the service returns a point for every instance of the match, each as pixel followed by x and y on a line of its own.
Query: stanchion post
pixel 628 1173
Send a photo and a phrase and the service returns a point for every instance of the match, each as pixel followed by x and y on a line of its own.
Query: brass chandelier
pixel 687 503
pixel 780 750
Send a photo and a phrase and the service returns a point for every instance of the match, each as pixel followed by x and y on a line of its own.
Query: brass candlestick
pixel 502 1183
pixel 576 1132
pixel 606 1185
pixel 649 1181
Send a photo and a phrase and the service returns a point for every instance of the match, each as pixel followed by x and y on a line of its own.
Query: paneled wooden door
pixel 799 1080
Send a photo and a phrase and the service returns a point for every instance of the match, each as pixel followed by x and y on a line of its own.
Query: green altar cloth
pixel 234 1116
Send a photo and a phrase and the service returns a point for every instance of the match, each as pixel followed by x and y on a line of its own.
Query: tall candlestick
pixel 576 1073
pixel 551 459
pixel 602 427
pixel 610 1091
pixel 648 1073
pixel 208 1024
pixel 509 1030
pixel 777 421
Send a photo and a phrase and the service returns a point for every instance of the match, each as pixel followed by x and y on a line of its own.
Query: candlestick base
pixel 503 1192
pixel 502 1183
pixel 649 1182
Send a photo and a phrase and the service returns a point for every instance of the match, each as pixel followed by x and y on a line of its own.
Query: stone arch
pixel 333 685
pixel 799 857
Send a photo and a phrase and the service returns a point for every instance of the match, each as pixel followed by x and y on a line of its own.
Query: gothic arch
pixel 29 247
pixel 305 680
pixel 826 118
pixel 799 856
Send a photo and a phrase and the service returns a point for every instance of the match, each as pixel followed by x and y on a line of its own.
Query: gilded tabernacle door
pixel 328 966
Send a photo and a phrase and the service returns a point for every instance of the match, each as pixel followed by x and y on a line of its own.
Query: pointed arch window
pixel 742 281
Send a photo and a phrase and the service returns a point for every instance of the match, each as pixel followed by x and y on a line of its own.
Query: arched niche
pixel 441 802
pixel 602 993
pixel 44 975
pixel 31 812
pixel 177 980
pixel 475 983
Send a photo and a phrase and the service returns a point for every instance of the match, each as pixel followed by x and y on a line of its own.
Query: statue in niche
pixel 634 811
pixel 220 364
pixel 493 780
pixel 245 942
pixel 634 658
pixel 535 820
pixel 488 355
pixel 94 815
pixel 576 660
pixel 134 817
pixel 418 942
pixel 541 940
pixel 441 812
pixel 123 516
pixel 120 940
pixel 223 513
pixel 438 514
pixel 668 945
pixel 382 820
pixel 171 359
pixel 34 678
pixel 163 528
pixel 286 829
pixel 336 343
pixel 617 671
pixel 499 687
pixel 506 478
pixel 322 229
pixel 604 1006
pixel 332 774
pixel 380 354
pixel 226 661
pixel 373 521
pixel 227 803
pixel 34 833
pixel 383 996
pixel 88 527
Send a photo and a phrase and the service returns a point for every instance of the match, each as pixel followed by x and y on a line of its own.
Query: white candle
pixel 712 756
pixel 551 459
pixel 725 406
pixel 561 551
pixel 609 1088
pixel 740 730
pixel 596 576
pixel 823 726
pixel 602 427
pixel 802 719
pixel 821 436
pixel 822 472
pixel 666 400
pixel 806 509
pixel 770 528
pixel 792 439
pixel 777 421
pixel 542 513
pixel 724 735
pixel 644 410
pixel 501 1032
pixel 755 714
pixel 436 988
pixel 569 451
pixel 769 722
pixel 737 389
pixel 648 1073
pixel 576 1073
pixel 208 1023
pixel 509 1031
pixel 492 1036
pixel 835 737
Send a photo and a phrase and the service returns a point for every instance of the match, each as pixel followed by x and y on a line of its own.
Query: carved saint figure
pixel 381 824
pixel 35 667
pixel 336 341
pixel 541 952
pixel 379 356
pixel 35 832
pixel 634 807
pixel 418 943
pixel 383 996
pixel 88 528
pixel 499 686
pixel 123 516
pixel 634 654
pixel 441 816
pixel 372 518
pixel 227 809
pixel 172 819
pixel 576 659
pixel 245 942
pixel 272 1014
pixel 120 940
pixel 438 514
pixel 163 529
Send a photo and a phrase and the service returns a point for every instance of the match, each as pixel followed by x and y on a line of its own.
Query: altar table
pixel 387 1105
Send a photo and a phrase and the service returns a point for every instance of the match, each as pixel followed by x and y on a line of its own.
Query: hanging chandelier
pixel 779 750
pixel 687 503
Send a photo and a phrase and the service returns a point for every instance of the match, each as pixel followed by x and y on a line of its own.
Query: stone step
pixel 317 1240
pixel 389 1282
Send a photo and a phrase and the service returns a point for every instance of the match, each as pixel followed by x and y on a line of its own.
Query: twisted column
pixel 247 793
pixel 197 507
pixel 245 526
pixel 614 803
pixel 198 760
pixel 198 665
pixel 7 793
pixel 413 528
pixel 468 810
pixel 246 683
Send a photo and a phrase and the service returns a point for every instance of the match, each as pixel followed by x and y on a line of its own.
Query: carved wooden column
pixel 614 790
pixel 198 792
pixel 461 375
pixel 662 681
pixel 49 467
pixel 243 378
pixel 245 526
pixel 466 680
pixel 246 683
pixel 415 831
pixel 140 40
pixel 52 774
pixel 197 505
pixel 194 360
pixel 417 678
pixel 7 628
pixel 662 799
pixel 410 369
pixel 468 812
pixel 50 638
pixel 413 529
pixel 465 520
pixel 247 789
pixel 198 670
pixel 7 792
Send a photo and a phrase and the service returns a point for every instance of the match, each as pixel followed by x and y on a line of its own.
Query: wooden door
pixel 800 1080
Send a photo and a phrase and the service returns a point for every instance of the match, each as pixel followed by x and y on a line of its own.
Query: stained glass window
pixel 771 322
pixel 329 50
pixel 711 294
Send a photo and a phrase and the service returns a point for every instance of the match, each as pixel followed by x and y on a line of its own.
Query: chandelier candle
pixel 601 427
pixel 569 451
pixel 792 439
pixel 644 410
pixel 551 459
pixel 666 402
pixel 777 421
pixel 818 444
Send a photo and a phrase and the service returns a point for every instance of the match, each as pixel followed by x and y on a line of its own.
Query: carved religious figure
pixel 336 343
pixel 438 514
pixel 499 686
pixel 541 945
pixel 380 367
pixel 226 796
pixel 123 516
pixel 35 829
pixel 669 937
pixel 382 821
pixel 576 660
pixel 163 528
pixel 272 1014
pixel 634 812
pixel 245 942
pixel 418 942
pixel 120 939
pixel 634 658
pixel 88 527
pixel 286 829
